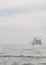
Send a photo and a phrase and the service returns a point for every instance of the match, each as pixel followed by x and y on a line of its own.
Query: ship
pixel 36 41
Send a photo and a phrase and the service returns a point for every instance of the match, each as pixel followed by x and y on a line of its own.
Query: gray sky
pixel 23 15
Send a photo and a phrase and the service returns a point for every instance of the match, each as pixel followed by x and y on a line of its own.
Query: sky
pixel 26 16
pixel 23 15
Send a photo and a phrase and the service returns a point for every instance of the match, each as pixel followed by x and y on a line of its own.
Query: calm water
pixel 16 49
pixel 22 54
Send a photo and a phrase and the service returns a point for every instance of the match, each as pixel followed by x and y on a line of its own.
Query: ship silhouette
pixel 36 41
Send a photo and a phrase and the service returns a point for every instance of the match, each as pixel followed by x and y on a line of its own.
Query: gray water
pixel 22 54
pixel 17 49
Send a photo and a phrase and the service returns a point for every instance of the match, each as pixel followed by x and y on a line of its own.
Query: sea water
pixel 17 49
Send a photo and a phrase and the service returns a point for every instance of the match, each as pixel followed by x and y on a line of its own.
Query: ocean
pixel 17 49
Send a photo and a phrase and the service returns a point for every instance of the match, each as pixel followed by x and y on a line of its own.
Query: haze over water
pixel 21 37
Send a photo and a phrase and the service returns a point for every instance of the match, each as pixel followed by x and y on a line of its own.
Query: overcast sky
pixel 23 15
